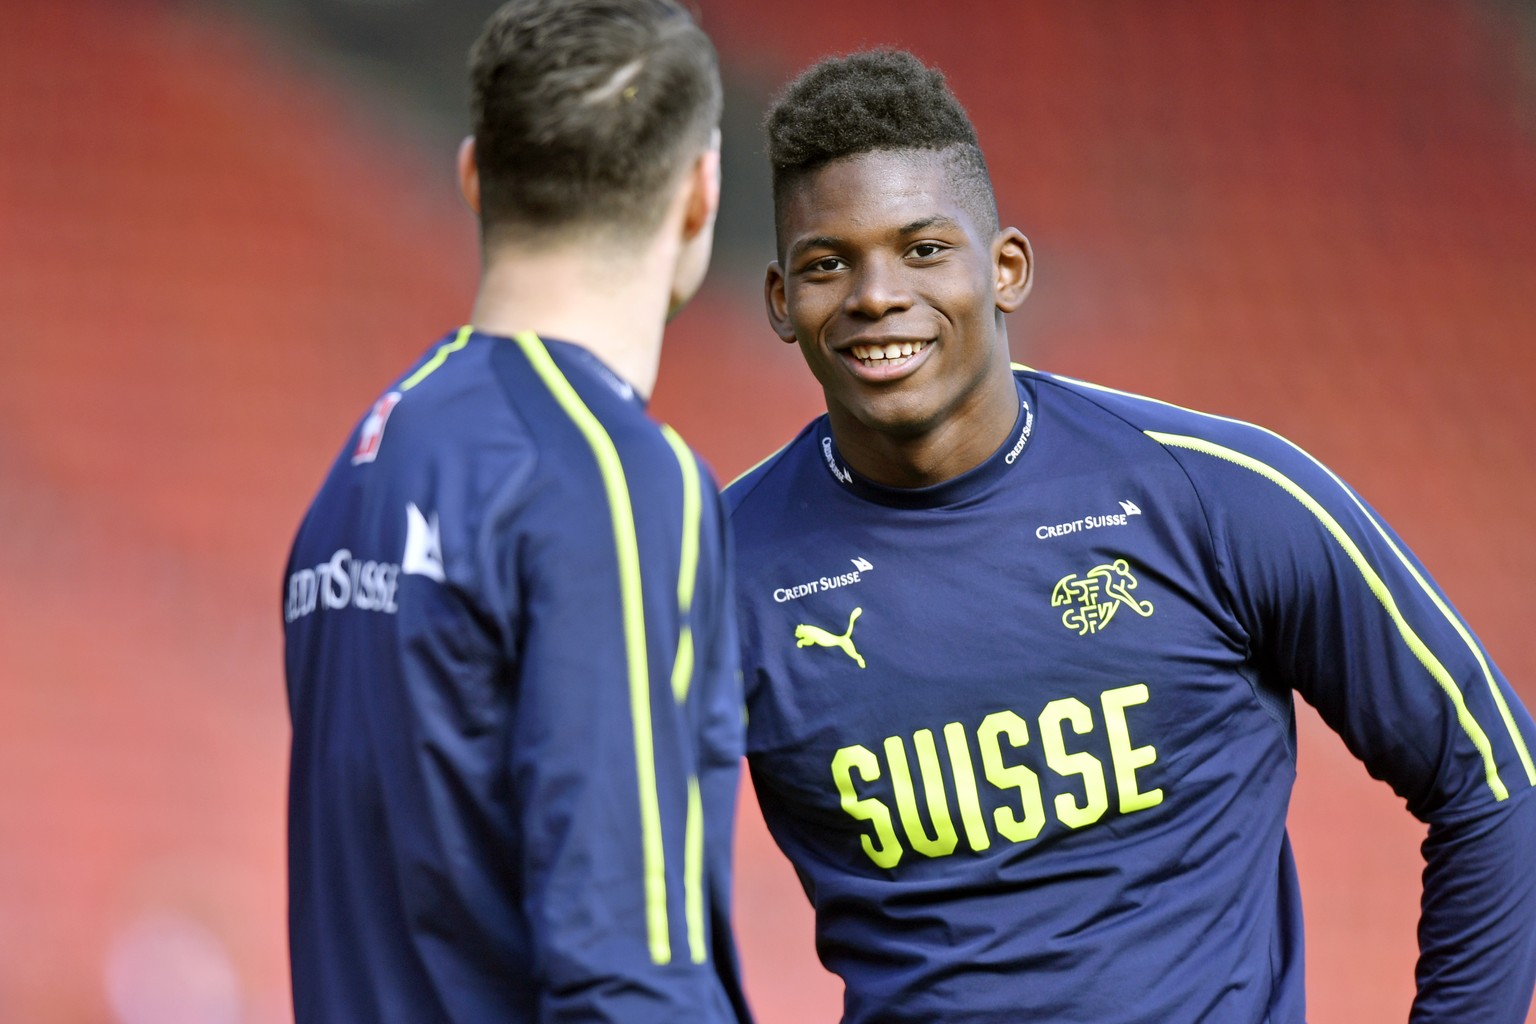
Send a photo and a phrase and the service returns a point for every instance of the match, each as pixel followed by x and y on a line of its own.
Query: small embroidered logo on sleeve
pixel 372 433
pixel 1091 600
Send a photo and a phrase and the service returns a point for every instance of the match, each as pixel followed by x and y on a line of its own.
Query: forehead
pixel 871 192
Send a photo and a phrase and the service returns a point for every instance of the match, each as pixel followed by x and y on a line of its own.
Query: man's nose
pixel 879 287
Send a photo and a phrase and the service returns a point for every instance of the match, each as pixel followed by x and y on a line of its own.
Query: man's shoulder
pixel 475 396
pixel 1230 464
pixel 1174 427
pixel 441 437
pixel 444 399
pixel 766 484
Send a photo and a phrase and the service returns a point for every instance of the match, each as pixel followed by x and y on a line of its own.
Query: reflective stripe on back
pixel 628 551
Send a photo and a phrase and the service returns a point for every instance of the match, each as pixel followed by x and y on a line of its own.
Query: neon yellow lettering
pixel 887 852
pixel 944 838
pixel 1125 757
pixel 1018 776
pixel 1096 797
pixel 965 787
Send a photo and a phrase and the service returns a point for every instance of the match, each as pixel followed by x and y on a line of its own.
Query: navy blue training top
pixel 517 715
pixel 1027 736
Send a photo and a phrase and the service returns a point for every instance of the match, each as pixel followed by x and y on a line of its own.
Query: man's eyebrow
pixel 818 242
pixel 938 220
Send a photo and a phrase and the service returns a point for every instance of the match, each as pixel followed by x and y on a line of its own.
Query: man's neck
pixel 965 439
pixel 614 307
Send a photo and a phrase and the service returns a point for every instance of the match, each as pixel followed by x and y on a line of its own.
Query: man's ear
pixel 704 191
pixel 469 174
pixel 1013 269
pixel 778 307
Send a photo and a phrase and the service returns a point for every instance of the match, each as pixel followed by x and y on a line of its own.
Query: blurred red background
pixel 216 246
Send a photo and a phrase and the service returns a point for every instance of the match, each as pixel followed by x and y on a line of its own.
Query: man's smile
pixel 882 360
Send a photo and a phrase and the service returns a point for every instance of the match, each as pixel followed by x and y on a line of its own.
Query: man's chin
pixel 897 420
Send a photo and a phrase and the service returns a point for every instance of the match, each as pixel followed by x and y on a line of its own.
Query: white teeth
pixel 872 355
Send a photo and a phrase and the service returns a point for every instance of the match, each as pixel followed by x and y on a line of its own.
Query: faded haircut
pixel 872 101
pixel 585 111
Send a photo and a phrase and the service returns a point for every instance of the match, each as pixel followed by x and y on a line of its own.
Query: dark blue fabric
pixel 465 839
pixel 1082 654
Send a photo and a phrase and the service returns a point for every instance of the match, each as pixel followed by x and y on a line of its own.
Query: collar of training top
pixel 971 482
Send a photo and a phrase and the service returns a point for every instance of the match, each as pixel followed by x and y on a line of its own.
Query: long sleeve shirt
pixel 1028 737
pixel 517 716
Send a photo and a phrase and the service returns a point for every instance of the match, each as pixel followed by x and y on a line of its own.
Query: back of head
pixel 585 112
pixel 877 100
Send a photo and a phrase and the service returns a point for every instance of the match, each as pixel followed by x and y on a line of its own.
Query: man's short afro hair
pixel 878 99
pixel 870 101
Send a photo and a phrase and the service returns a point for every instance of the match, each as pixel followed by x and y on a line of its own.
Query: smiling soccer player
pixel 1032 760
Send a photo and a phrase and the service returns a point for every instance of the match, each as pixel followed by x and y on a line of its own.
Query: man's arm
pixel 604 768
pixel 1340 610
pixel 723 743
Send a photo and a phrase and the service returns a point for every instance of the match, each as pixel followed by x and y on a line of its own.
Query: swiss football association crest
pixel 372 433
pixel 1090 601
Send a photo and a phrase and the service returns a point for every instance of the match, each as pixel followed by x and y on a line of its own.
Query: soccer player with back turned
pixel 510 656
pixel 1021 651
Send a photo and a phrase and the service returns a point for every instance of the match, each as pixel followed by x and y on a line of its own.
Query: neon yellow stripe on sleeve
pixel 444 350
pixel 682 676
pixel 1377 586
pixel 693 873
pixel 1515 736
pixel 628 550
pixel 688 570
pixel 1461 630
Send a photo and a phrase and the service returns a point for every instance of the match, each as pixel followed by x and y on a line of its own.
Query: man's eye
pixel 925 250
pixel 826 264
